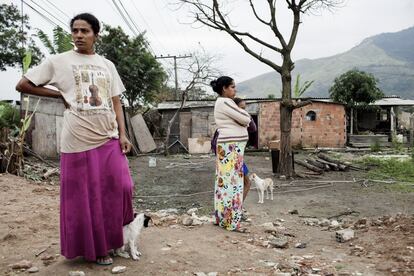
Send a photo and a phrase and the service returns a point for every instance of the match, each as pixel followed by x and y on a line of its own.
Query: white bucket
pixel 152 162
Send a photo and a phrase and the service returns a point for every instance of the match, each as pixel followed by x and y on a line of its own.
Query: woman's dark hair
pixel 90 18
pixel 220 83
pixel 238 100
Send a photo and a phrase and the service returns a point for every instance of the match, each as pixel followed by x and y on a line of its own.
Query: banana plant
pixel 27 60
pixel 300 89
pixel 62 40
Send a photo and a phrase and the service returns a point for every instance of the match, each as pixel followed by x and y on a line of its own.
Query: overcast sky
pixel 169 32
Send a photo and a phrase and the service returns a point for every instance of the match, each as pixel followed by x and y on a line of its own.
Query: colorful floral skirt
pixel 228 196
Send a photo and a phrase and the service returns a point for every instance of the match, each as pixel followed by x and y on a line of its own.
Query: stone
pixel 300 245
pixel 334 223
pixel 212 274
pixel 23 264
pixel 33 269
pixel 311 221
pixel 76 273
pixel 282 274
pixel 279 243
pixel 269 227
pixel 200 274
pixel 187 221
pixel 118 269
pixel 344 235
pixel 362 221
pixel 324 222
pixel 293 212
pixel 192 211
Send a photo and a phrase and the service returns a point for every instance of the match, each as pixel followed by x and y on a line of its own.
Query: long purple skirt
pixel 95 201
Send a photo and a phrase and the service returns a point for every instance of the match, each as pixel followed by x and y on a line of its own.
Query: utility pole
pixel 175 69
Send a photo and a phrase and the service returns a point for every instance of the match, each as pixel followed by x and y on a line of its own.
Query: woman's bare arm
pixel 123 140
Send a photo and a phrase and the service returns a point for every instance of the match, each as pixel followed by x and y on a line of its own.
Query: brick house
pixel 321 124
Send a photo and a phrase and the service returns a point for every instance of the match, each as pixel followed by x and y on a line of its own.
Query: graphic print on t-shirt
pixel 91 87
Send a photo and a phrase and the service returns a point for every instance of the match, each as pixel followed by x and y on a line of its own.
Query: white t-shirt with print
pixel 87 83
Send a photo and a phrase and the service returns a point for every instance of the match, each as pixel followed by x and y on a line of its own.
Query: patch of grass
pixel 375 147
pixel 401 188
pixel 339 266
pixel 400 171
pixel 391 168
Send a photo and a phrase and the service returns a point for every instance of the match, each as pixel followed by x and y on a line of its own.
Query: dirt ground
pixel 383 243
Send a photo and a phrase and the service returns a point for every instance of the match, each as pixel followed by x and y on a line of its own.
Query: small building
pixel 389 116
pixel 320 124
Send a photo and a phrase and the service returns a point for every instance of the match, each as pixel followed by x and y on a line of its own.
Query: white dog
pixel 131 233
pixel 263 185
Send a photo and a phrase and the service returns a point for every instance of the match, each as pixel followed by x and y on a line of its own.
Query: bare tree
pixel 212 14
pixel 200 71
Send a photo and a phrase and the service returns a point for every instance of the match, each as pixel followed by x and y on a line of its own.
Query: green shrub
pixel 376 147
pixel 9 116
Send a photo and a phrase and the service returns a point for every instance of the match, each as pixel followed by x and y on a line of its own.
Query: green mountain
pixel 389 56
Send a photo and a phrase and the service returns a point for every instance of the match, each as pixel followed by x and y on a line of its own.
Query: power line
pixel 124 19
pixel 148 26
pixel 130 18
pixel 64 23
pixel 57 8
pixel 41 15
pixel 175 68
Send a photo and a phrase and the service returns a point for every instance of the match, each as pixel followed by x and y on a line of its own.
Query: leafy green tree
pixel 356 90
pixel 62 40
pixel 13 40
pixel 141 73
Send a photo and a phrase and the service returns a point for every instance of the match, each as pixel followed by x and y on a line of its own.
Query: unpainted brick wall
pixel 328 130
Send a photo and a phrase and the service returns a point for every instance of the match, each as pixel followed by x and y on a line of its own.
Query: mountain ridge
pixel 388 56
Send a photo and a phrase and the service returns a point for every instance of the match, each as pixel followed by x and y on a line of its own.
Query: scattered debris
pixel 33 269
pixel 344 235
pixel 300 245
pixel 293 212
pixel 279 242
pixel 23 264
pixel 76 273
pixel 118 269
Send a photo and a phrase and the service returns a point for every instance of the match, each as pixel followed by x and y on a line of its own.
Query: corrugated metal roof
pixel 386 101
pixel 395 101
pixel 188 104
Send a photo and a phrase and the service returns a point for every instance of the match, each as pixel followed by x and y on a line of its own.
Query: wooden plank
pixel 131 135
pixel 44 135
pixel 142 134
pixel 185 127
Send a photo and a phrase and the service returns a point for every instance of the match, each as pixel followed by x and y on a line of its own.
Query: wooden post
pixel 412 130
pixel 392 120
pixel 352 121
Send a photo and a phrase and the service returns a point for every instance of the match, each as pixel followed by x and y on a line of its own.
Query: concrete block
pixel 344 235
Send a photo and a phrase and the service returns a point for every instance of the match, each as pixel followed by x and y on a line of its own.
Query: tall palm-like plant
pixel 62 40
pixel 300 88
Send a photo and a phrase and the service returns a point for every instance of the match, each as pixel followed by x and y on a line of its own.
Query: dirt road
pixel 382 245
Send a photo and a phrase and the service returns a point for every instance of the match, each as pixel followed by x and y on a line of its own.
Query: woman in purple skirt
pixel 96 186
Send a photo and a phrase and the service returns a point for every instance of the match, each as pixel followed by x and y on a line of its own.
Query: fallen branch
pixel 309 166
pixel 347 213
pixel 340 164
pixel 34 154
pixel 50 172
pixel 320 165
pixel 333 166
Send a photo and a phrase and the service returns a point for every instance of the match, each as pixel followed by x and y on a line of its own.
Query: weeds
pixel 375 147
